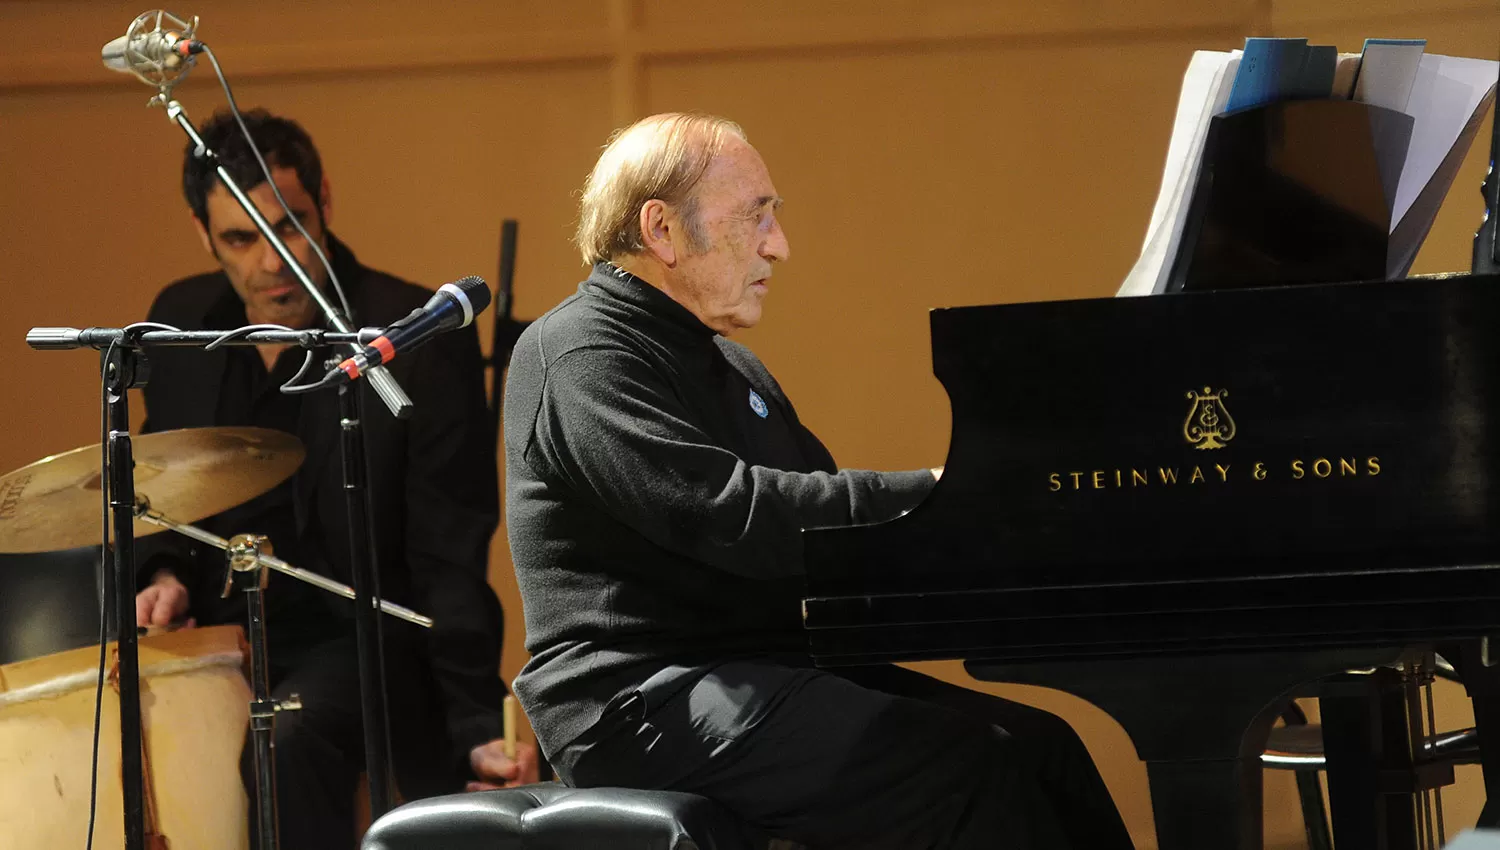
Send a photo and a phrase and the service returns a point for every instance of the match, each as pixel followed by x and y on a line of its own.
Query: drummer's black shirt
pixel 250 396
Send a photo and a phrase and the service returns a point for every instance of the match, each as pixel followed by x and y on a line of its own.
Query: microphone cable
pixel 103 597
pixel 239 119
pixel 307 360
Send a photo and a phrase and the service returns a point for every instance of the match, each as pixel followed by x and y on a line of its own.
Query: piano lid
pixel 1305 431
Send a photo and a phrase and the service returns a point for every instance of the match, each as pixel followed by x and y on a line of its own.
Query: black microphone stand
pixel 368 635
pixel 367 627
pixel 507 329
pixel 124 367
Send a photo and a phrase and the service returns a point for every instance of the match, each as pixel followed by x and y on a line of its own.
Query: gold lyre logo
pixel 1208 424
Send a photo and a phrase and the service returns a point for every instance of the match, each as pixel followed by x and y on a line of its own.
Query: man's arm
pixel 611 428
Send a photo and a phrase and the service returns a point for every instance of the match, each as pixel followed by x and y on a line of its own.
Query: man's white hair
pixel 661 157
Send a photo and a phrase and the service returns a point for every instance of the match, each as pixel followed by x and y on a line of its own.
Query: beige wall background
pixel 932 153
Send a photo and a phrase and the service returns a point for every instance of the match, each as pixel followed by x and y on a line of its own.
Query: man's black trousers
pixel 870 757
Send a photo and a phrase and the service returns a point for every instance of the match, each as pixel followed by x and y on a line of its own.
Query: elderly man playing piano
pixel 657 483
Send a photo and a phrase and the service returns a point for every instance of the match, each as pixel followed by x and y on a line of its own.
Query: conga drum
pixel 194 709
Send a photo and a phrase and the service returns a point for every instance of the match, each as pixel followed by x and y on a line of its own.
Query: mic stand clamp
pixel 246 572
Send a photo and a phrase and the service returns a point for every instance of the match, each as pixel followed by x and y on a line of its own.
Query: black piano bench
pixel 552 816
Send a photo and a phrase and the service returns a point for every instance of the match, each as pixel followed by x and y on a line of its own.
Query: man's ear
pixel 657 232
pixel 208 243
pixel 325 203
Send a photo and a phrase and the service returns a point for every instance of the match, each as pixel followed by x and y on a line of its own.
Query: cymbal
pixel 187 475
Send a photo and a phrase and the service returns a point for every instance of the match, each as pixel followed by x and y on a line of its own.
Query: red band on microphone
pixel 387 351
pixel 350 368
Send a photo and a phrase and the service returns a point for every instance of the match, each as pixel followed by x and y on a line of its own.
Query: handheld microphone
pixel 453 306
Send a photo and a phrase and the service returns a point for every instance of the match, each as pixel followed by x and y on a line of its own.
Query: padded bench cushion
pixel 552 816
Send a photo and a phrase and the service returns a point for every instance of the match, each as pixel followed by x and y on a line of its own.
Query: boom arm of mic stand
pixel 384 383
pixel 144 513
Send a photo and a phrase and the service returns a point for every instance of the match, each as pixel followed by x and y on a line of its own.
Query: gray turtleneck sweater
pixel 657 484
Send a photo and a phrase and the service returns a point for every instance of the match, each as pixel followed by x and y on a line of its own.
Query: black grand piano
pixel 1188 508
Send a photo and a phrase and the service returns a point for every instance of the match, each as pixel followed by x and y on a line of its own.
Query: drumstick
pixel 510 727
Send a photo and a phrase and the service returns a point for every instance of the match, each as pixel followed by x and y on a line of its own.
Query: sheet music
pixel 1205 90
pixel 1446 96
pixel 1449 100
pixel 1387 71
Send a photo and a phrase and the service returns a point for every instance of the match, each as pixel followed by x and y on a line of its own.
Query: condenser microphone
pixel 158 47
pixel 168 49
pixel 453 306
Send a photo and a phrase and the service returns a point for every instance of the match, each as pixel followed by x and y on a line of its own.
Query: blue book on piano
pixel 1269 70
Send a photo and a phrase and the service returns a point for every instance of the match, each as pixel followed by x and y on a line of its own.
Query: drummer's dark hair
pixel 282 142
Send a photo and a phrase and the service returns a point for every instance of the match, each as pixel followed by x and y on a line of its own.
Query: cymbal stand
pixel 246 571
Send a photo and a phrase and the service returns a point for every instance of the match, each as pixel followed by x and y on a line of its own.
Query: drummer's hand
pixel 495 770
pixel 163 603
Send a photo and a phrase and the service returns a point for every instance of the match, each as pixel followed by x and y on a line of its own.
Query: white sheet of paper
pixel 1343 75
pixel 1198 85
pixel 1205 88
pixel 1386 74
pixel 1444 96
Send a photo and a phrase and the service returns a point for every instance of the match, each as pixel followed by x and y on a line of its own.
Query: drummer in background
pixel 432 482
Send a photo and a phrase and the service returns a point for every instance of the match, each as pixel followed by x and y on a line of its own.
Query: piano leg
pixel 1199 722
pixel 1482 681
pixel 1206 804
pixel 1372 776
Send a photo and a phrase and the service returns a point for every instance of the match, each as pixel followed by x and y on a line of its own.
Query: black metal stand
pixel 248 574
pixel 367 629
pixel 371 657
pixel 507 328
pixel 124 368
pixel 1377 770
